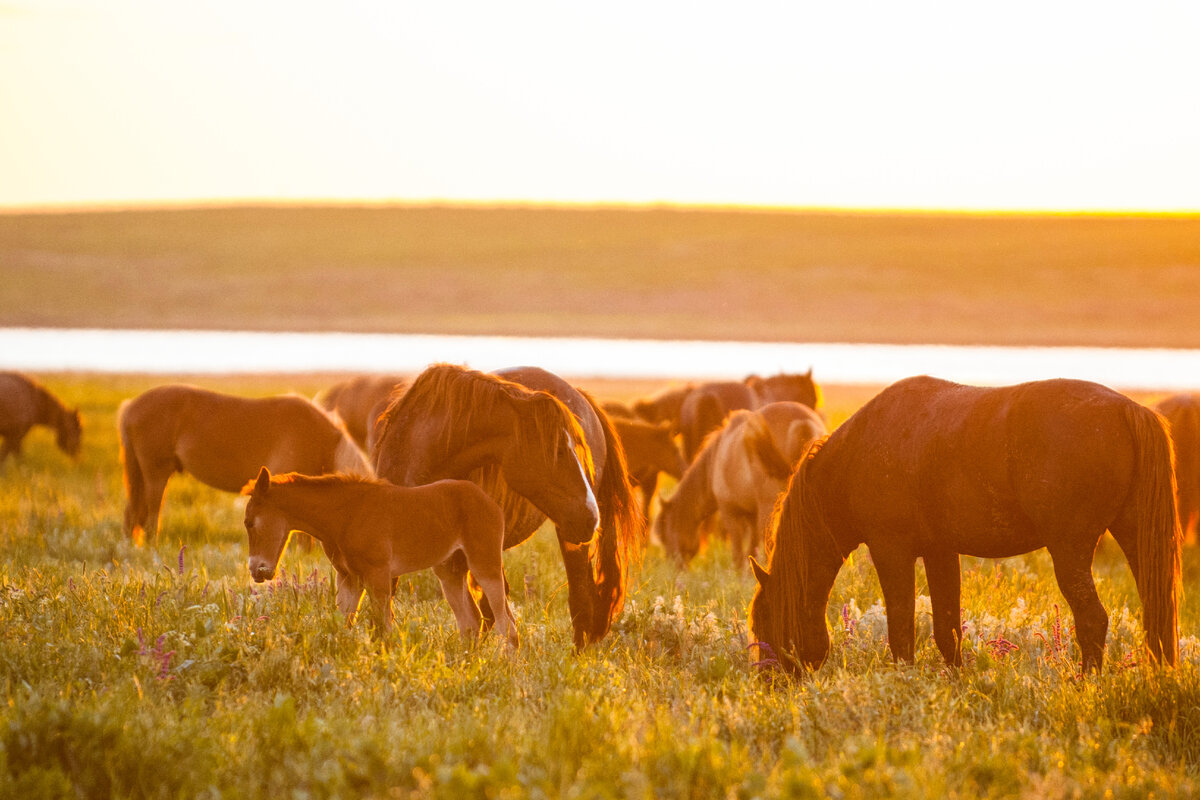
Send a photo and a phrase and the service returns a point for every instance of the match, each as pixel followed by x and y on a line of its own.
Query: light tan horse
pixel 222 441
pixel 359 400
pixel 374 531
pixel 24 403
pixel 740 471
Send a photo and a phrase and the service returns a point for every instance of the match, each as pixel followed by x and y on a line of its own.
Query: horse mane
pixel 764 446
pixel 796 531
pixel 465 394
pixel 318 481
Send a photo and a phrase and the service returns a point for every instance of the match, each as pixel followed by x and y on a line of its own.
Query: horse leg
pixel 1073 570
pixel 452 574
pixel 153 488
pixel 488 569
pixel 945 594
pixel 379 589
pixel 897 578
pixel 581 589
pixel 349 595
pixel 480 598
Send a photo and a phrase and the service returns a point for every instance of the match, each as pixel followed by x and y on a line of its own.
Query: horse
pixel 664 407
pixel 222 441
pixel 25 403
pixel 358 401
pixel 706 406
pixel 374 531
pixel 741 470
pixel 1182 412
pixel 931 469
pixel 542 449
pixel 649 450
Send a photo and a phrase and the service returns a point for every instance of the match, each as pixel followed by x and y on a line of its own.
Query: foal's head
pixel 267 528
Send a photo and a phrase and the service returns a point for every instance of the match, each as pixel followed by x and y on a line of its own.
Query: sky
pixel 915 105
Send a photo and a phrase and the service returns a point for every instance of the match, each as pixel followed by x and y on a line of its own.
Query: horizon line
pixel 116 206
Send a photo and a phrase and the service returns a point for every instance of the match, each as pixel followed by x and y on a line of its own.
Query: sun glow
pixel 920 106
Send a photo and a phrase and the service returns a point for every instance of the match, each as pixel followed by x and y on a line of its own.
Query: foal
pixel 374 531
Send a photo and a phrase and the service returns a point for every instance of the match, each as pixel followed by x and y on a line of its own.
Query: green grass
pixel 164 672
pixel 657 273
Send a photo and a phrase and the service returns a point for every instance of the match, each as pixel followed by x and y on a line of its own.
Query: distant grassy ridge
pixel 615 272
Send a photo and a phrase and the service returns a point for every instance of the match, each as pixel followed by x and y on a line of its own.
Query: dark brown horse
pixel 650 450
pixel 389 531
pixel 24 403
pixel 222 441
pixel 541 448
pixel 1182 412
pixel 665 406
pixel 358 401
pixel 707 405
pixel 930 469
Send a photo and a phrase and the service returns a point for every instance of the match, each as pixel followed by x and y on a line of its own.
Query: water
pixel 174 352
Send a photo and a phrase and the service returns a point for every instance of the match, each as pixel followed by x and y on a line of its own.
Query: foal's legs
pixel 945 588
pixel 452 574
pixel 898 580
pixel 1073 569
pixel 487 567
pixel 379 588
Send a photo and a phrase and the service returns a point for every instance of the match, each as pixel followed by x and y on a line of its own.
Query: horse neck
pixel 47 409
pixel 316 507
pixel 694 491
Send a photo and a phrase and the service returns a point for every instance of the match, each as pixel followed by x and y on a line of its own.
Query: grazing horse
pixel 374 531
pixel 649 450
pixel 741 470
pixel 706 406
pixel 665 406
pixel 931 469
pixel 1182 412
pixel 359 400
pixel 222 441
pixel 24 403
pixel 542 449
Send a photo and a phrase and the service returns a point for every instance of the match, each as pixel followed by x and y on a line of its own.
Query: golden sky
pixel 1031 105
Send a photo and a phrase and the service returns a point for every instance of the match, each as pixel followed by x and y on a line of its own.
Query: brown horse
pixel 24 403
pixel 705 408
pixel 1182 412
pixel 359 400
pixel 374 531
pixel 665 406
pixel 542 449
pixel 650 449
pixel 222 441
pixel 931 469
pixel 740 472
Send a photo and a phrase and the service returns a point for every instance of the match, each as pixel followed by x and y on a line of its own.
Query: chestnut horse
pixel 649 450
pixel 542 449
pixel 359 400
pixel 705 407
pixel 741 470
pixel 664 407
pixel 374 531
pixel 930 469
pixel 222 441
pixel 24 403
pixel 1182 412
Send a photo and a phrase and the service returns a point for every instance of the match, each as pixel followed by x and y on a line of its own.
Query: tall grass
pixel 164 672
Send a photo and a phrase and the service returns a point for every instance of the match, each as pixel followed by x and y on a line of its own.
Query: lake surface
pixel 167 352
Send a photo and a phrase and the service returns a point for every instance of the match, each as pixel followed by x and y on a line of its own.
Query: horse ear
pixel 264 481
pixel 809 373
pixel 760 573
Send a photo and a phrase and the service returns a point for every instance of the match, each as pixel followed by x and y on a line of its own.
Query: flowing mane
pixel 319 481
pixel 465 394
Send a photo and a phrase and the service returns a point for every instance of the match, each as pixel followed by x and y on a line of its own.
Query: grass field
pixel 164 672
pixel 657 273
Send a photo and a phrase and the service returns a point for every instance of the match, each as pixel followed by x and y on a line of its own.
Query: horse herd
pixel 448 469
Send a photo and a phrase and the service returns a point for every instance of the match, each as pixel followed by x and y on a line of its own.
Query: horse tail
pixel 622 536
pixel 135 484
pixel 763 445
pixel 1159 539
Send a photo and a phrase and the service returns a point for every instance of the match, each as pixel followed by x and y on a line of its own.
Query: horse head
pixel 679 534
pixel 267 528
pixel 69 432
pixel 780 636
pixel 798 387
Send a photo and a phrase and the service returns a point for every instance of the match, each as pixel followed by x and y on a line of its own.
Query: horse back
pixel 989 470
pixel 19 402
pixel 224 440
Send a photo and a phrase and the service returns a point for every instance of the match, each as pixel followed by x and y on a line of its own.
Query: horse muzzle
pixel 261 571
